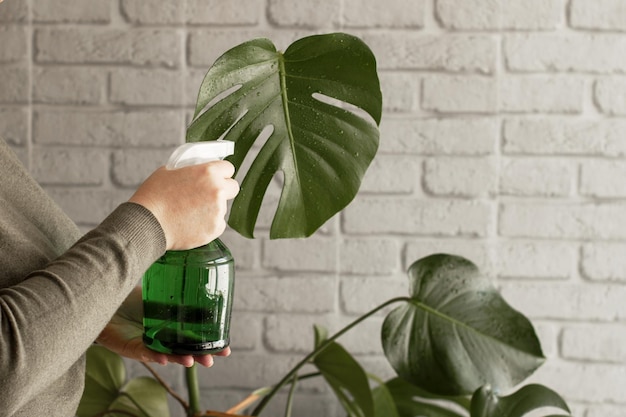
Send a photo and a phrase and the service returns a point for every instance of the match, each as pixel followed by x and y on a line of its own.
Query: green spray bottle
pixel 187 295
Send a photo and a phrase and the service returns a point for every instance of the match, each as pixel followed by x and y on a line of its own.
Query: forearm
pixel 49 319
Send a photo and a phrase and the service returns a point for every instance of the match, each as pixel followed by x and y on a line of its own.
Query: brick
pixel 608 95
pixel 359 295
pixel 66 85
pixel 153 129
pixel 601 410
pixel 312 254
pixel 456 94
pixel 53 166
pixel 297 294
pixel 563 221
pixel 141 47
pixel 566 301
pixel 374 14
pixel 531 177
pixel 152 12
pixel 452 136
pixel 478 252
pixel 14 125
pixel 248 371
pixel 460 177
pixel 603 261
pixel 565 53
pixel 548 335
pixel 133 86
pixel 14 43
pixel 500 14
pixel 378 366
pixel 597 178
pixel 542 95
pixel 87 206
pixel 450 53
pixel 14 88
pixel 72 11
pixel 364 338
pixel 22 154
pixel 400 91
pixel 598 342
pixel 13 11
pixel 216 12
pixel 392 174
pixel 245 251
pixel 290 333
pixel 192 82
pixel 575 381
pixel 132 166
pixel 418 217
pixel 205 46
pixel 320 14
pixel 597 14
pixel 369 256
pixel 528 259
pixel 245 329
pixel 562 136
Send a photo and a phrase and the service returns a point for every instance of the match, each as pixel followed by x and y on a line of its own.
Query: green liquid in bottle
pixel 187 299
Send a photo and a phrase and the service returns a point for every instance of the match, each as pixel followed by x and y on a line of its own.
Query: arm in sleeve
pixel 49 320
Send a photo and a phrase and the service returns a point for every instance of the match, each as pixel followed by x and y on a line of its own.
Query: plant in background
pixel 313 114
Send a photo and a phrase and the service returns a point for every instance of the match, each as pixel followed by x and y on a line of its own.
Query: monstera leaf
pixel 320 100
pixel 487 403
pixel 458 333
pixel 345 376
pixel 108 392
pixel 398 398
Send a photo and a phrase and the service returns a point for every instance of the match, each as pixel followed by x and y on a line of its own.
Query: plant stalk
pixel 191 377
pixel 292 391
pixel 169 389
pixel 320 348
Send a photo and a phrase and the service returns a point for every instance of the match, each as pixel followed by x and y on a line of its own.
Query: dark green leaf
pixel 347 379
pixel 144 397
pixel 486 403
pixel 458 333
pixel 104 376
pixel 384 403
pixel 410 401
pixel 321 334
pixel 321 147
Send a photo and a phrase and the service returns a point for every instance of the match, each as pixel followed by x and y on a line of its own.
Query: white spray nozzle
pixel 199 153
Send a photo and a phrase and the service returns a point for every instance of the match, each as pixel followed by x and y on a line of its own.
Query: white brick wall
pixel 503 139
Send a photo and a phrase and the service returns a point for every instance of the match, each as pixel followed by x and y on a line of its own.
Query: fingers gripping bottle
pixel 187 295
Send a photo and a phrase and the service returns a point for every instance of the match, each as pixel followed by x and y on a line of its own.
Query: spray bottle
pixel 187 295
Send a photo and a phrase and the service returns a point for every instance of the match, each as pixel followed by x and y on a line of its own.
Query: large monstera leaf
pixel 458 333
pixel 320 99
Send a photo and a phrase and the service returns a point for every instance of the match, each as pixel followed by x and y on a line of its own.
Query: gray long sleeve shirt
pixel 58 290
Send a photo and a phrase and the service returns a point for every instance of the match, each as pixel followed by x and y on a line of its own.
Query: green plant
pixel 452 337
pixel 454 340
pixel 308 97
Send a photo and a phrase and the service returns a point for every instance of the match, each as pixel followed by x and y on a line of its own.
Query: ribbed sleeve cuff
pixel 141 230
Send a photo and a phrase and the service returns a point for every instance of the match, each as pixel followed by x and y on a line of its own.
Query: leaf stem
pixel 292 390
pixel 191 377
pixel 169 389
pixel 320 348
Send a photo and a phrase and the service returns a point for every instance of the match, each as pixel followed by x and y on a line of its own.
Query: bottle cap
pixel 199 153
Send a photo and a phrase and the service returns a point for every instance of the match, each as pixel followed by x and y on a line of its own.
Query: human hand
pixel 190 202
pixel 123 335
